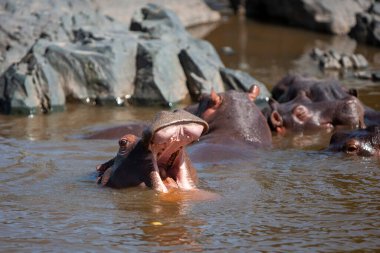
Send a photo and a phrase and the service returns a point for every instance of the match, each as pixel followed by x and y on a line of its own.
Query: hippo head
pixel 158 159
pixel 209 104
pixel 303 114
pixel 361 142
pixel 234 117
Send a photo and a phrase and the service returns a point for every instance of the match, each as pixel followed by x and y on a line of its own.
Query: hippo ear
pixel 215 99
pixel 277 122
pixel 253 92
pixel 276 119
pixel 301 113
pixel 353 92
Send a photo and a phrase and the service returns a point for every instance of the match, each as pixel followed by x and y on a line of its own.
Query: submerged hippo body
pixel 361 142
pixel 158 159
pixel 289 87
pixel 312 104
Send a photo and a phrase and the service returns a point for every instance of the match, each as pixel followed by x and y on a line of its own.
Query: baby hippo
pixel 361 142
pixel 158 159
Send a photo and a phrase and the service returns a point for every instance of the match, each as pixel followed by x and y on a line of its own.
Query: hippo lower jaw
pixel 170 167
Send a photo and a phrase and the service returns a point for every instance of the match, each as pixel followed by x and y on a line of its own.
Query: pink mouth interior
pixel 167 145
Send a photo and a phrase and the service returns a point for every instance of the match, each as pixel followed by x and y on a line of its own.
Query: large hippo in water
pixel 158 159
pixel 233 116
pixel 237 127
pixel 312 104
pixel 361 142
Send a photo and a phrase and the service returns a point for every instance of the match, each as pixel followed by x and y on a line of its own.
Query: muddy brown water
pixel 291 198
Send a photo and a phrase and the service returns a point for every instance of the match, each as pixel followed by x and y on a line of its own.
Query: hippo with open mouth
pixel 158 159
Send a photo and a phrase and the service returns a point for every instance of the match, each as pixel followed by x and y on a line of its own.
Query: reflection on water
pixel 291 198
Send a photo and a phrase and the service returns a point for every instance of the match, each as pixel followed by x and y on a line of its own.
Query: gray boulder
pixel 199 60
pixel 159 77
pixel 367 28
pixel 239 80
pixel 201 64
pixel 83 55
pixel 337 16
pixel 52 71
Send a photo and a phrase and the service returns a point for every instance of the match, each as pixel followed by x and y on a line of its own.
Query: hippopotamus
pixel 312 104
pixel 158 158
pixel 317 90
pixel 237 127
pixel 360 142
pixel 302 114
pixel 233 116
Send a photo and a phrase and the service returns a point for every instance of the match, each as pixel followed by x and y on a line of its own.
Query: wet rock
pixel 332 60
pixel 316 53
pixel 89 57
pixel 367 28
pixel 24 22
pixel 337 17
pixel 228 50
pixel 359 61
pixel 190 12
pixel 158 23
pixel 329 62
pixel 346 62
pixel 376 8
pixel 159 77
pixel 373 75
pixel 201 65
pixel 376 76
pixel 242 81
pixel 364 75
pixel 239 80
pixel 52 71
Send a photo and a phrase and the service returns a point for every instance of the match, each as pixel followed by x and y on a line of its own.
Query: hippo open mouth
pixel 158 159
pixel 169 160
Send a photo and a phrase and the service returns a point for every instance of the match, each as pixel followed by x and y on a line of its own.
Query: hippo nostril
pixel 123 143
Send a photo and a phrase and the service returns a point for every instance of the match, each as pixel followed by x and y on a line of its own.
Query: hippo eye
pixel 351 149
pixel 123 143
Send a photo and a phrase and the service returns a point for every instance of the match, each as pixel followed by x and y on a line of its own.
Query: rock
pixel 54 71
pixel 359 61
pixel 201 65
pixel 242 81
pixel 329 62
pixel 316 53
pixel 158 23
pixel 364 75
pixel 376 8
pixel 190 12
pixel 346 62
pixel 27 21
pixel 239 80
pixel 84 55
pixel 334 60
pixel 228 50
pixel 337 17
pixel 159 77
pixel 376 76
pixel 367 28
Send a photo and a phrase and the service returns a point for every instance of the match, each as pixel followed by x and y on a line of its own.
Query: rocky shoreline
pixel 93 58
